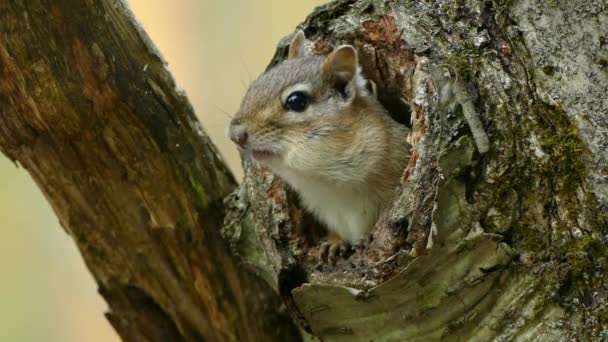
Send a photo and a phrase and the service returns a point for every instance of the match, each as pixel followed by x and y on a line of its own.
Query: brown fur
pixel 344 154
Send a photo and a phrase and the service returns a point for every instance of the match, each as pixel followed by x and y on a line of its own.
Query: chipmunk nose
pixel 239 135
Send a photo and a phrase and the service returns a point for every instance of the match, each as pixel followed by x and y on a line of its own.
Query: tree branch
pixel 90 110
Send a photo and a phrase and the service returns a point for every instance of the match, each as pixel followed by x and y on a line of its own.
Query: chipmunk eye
pixel 296 101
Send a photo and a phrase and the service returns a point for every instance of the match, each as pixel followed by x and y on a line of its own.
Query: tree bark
pixel 497 231
pixel 90 110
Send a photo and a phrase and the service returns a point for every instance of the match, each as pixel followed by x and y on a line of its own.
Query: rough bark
pixel 499 227
pixel 90 111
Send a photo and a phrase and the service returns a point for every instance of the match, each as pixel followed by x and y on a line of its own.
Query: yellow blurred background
pixel 214 49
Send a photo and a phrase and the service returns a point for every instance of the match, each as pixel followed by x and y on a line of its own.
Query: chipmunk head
pixel 304 113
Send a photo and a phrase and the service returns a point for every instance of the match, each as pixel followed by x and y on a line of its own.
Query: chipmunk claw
pixel 330 250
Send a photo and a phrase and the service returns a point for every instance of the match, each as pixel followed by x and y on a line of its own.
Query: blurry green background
pixel 214 49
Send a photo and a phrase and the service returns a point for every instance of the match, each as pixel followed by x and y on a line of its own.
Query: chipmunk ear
pixel 296 47
pixel 341 66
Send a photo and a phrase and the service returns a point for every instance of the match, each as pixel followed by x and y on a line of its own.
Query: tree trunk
pixel 90 110
pixel 497 231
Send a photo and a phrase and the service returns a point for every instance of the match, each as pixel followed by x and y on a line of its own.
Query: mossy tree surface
pixel 497 231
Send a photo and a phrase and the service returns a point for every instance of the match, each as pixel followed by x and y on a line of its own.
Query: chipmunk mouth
pixel 263 155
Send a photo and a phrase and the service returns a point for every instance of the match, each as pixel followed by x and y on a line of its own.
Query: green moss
pixel 563 174
pixel 453 10
pixel 505 4
pixel 465 62
pixel 548 69
pixel 538 201
pixel 542 196
pixel 560 138
pixel 565 163
pixel 580 266
pixel 603 62
pixel 576 254
pixel 512 182
pixel 530 238
pixel 502 17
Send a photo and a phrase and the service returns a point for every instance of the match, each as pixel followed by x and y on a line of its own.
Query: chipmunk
pixel 315 121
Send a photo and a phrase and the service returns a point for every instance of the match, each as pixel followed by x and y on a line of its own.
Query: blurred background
pixel 214 49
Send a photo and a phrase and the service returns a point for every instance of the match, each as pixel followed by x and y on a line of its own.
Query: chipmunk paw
pixel 330 250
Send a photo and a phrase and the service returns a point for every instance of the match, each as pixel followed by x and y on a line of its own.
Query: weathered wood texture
pixel 499 228
pixel 88 107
